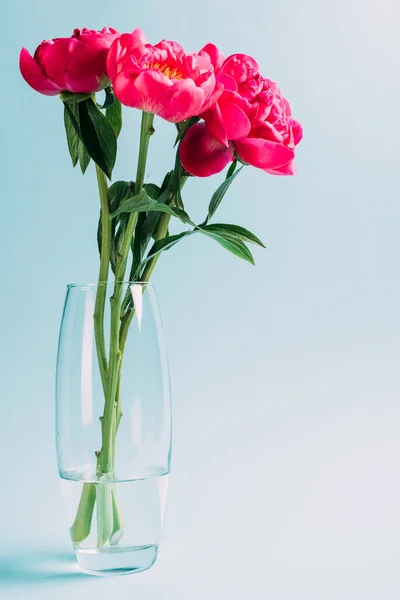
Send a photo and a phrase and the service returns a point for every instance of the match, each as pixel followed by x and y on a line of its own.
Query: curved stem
pixel 128 316
pixel 146 131
pixel 126 319
pixel 109 416
pixel 103 276
pixel 82 524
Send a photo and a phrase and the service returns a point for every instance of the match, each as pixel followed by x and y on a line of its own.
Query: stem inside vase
pixel 109 519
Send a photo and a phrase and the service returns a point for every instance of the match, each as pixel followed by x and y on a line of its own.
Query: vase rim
pixel 93 285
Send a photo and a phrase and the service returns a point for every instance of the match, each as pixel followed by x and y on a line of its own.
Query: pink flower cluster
pixel 242 113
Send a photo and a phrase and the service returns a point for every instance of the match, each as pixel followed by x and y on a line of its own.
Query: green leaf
pixel 76 147
pixel 99 235
pixel 232 169
pixel 234 232
pixel 182 215
pixel 149 223
pixel 152 190
pixel 136 246
pixel 117 241
pixel 219 194
pixel 73 114
pixel 73 140
pixel 114 115
pixel 143 203
pixel 166 184
pixel 184 126
pixel 147 226
pixel 84 158
pixel 109 99
pixel 165 244
pixel 117 193
pixel 237 247
pixel 136 203
pixel 73 98
pixel 176 182
pixel 98 136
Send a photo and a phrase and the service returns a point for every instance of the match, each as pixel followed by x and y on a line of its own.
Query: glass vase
pixel 113 425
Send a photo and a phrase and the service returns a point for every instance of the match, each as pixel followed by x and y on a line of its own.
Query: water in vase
pixel 133 546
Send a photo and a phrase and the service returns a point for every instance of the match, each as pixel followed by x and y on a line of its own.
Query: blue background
pixel 285 376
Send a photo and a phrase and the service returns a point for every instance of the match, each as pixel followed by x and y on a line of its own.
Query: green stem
pixel 80 528
pixel 109 416
pixel 103 276
pixel 162 230
pixel 82 524
pixel 146 131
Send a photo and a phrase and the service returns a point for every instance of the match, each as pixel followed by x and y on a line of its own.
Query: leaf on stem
pixel 73 98
pixel 84 158
pixel 143 203
pixel 232 169
pixel 235 246
pixel 117 193
pixel 98 136
pixel 165 244
pixel 76 147
pixel 152 190
pixel 109 99
pixel 175 182
pixel 73 140
pixel 117 240
pixel 147 226
pixel 233 232
pixel 114 115
pixel 219 194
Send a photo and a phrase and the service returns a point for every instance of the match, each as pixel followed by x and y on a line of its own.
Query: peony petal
pixel 126 92
pixel 201 155
pixel 266 131
pixel 137 38
pixel 162 79
pixel 215 125
pixel 297 131
pixel 114 64
pixel 33 75
pixel 122 48
pixel 155 90
pixel 263 154
pixel 56 57
pixel 236 122
pixel 228 82
pixel 98 40
pixel 238 63
pixel 289 169
pixel 185 102
pixel 150 91
pixel 217 58
pixel 214 97
pixel 87 66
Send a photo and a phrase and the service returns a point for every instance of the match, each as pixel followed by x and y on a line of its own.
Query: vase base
pixel 116 560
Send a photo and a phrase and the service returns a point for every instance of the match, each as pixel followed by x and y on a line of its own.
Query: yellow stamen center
pixel 167 71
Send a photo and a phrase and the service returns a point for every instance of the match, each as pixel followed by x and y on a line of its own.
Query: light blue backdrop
pixel 285 376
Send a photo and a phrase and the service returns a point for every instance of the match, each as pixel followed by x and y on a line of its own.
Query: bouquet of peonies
pixel 226 115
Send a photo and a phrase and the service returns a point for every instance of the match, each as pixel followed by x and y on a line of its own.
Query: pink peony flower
pixel 201 154
pixel 252 113
pixel 274 134
pixel 76 64
pixel 161 79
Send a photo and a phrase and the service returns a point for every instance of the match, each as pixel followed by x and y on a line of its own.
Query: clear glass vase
pixel 113 425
